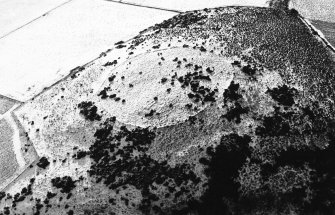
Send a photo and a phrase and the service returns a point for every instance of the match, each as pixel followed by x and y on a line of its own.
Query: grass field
pixel 7 157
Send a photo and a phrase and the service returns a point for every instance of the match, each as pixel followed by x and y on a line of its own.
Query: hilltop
pixel 215 111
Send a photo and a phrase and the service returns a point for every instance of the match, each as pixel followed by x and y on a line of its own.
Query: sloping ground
pixel 226 110
pixel 6 104
pixel 327 28
pixel 17 152
pixel 7 156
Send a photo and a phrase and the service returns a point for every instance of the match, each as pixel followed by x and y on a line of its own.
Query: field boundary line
pixel 312 28
pixel 33 20
pixel 145 6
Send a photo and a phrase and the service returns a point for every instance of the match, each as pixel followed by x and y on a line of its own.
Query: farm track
pixel 16 138
pixel 11 119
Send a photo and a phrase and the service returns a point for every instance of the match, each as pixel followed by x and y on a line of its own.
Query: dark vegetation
pixel 114 62
pixel 2 195
pixel 301 176
pixel 272 49
pixel 120 46
pixel 249 70
pixel 38 206
pixel 17 198
pixel 209 70
pixel 183 21
pixel 236 63
pixel 221 167
pixel 163 80
pixel 80 154
pixel 103 93
pixel 323 177
pixel 50 195
pixel 89 111
pixel 276 125
pixel 235 113
pixel 283 95
pixel 294 12
pixel 202 49
pixel 279 38
pixel 231 96
pixel 119 43
pixel 111 79
pixel 65 184
pixel 118 165
pixel 309 193
pixel 192 81
pixel 279 4
pixel 25 192
pixel 43 162
pixel 75 71
pixel 151 113
pixel 284 178
pixel 317 196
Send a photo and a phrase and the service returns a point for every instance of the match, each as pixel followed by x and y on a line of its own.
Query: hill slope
pixel 225 110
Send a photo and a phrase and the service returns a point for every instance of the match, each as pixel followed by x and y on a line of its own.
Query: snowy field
pixel 40 42
pixel 16 13
pixel 327 28
pixel 186 5
pixel 46 50
pixel 318 10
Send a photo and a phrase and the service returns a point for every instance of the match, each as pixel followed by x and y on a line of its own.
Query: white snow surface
pixel 186 5
pixel 15 13
pixel 41 53
pixel 320 34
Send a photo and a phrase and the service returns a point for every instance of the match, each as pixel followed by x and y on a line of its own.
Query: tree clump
pixel 120 165
pixel 65 184
pixel 279 4
pixel 43 162
pixel 89 111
